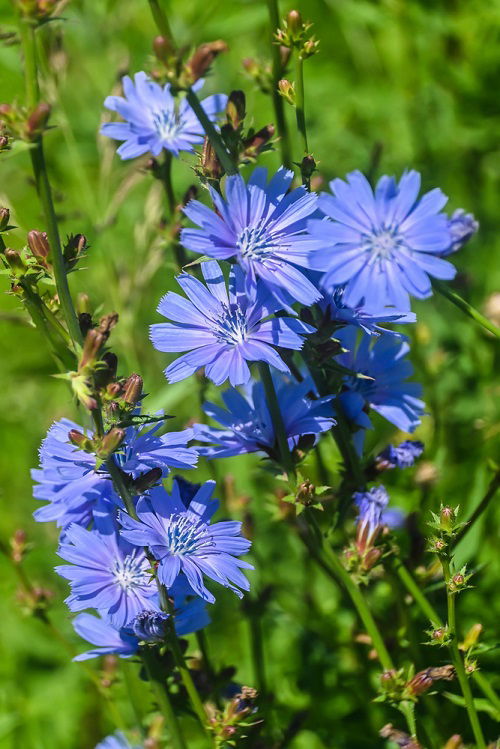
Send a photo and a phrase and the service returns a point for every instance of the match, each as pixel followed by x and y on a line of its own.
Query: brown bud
pixel 399 737
pixel 107 323
pixel 75 246
pixel 162 48
pixel 235 109
pixel 132 389
pixel 110 442
pixel 39 246
pixel 294 21
pixel 80 440
pixel 4 142
pixel 37 120
pixel 147 480
pixel 287 90
pixel 254 145
pixel 203 57
pixel 15 261
pixel 4 218
pixel 420 683
pixel 92 344
pixel 210 164
pixel 307 166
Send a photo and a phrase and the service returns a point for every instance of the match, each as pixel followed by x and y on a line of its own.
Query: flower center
pixel 383 244
pixel 166 124
pixel 186 536
pixel 231 325
pixel 254 243
pixel 129 572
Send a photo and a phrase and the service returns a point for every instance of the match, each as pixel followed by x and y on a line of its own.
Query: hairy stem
pixel 278 103
pixel 466 308
pixel 458 660
pixel 277 418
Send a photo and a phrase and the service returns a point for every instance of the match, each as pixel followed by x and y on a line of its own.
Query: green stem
pixel 277 418
pixel 482 506
pixel 466 308
pixel 160 19
pixel 458 661
pixel 166 172
pixel 408 709
pixel 27 31
pixel 300 101
pixel 278 103
pixel 212 134
pixel 186 677
pixel 435 620
pixel 163 698
pixel 333 567
pixel 258 659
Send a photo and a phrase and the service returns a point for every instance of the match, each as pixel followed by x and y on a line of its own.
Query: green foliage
pixel 396 83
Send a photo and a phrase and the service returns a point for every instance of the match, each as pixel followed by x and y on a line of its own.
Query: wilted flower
pixel 371 505
pixel 153 122
pixel 462 227
pixel 382 245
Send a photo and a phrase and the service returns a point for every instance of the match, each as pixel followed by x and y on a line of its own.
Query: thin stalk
pixel 278 103
pixel 164 701
pixel 161 20
pixel 482 506
pixel 166 173
pixel 466 308
pixel 121 487
pixel 458 661
pixel 300 110
pixel 212 134
pixel 408 709
pixel 186 677
pixel 277 418
pixel 333 567
pixel 435 620
pixel 258 659
pixel 43 185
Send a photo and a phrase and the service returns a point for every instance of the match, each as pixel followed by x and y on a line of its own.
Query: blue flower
pixel 383 387
pixel 383 246
pixel 72 484
pixel 403 455
pixel 462 227
pixel 262 226
pixel 107 574
pixel 108 639
pixel 182 539
pixel 248 426
pixel 222 331
pixel 116 741
pixel 152 120
pixel 371 505
pixel 370 321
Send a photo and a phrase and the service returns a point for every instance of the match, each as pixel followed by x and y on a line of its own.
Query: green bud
pixel 110 442
pixel 447 519
pixel 286 89
pixel 81 441
pixel 16 263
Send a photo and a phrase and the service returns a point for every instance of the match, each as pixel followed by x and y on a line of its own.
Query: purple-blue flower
pixel 221 328
pixel 462 227
pixel 371 505
pixel 72 483
pixel 153 121
pixel 370 321
pixel 183 541
pixel 384 387
pixel 108 640
pixel 116 740
pixel 247 423
pixel 108 574
pixel 262 226
pixel 403 455
pixel 382 245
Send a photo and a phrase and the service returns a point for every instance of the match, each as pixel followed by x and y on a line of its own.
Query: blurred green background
pixel 414 81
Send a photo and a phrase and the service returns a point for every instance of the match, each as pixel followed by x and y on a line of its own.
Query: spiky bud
pixel 447 518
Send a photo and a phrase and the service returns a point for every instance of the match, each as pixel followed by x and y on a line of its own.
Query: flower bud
pixel 200 62
pixel 111 361
pixel 307 166
pixel 420 683
pixel 4 218
pixel 163 49
pixel 471 637
pixel 75 247
pixel 287 90
pixel 37 121
pixel 294 22
pixel 39 246
pixel 92 344
pixel 147 480
pixel 16 263
pixel 110 442
pixel 309 49
pixel 4 142
pixel 257 141
pixel 447 519
pixel 82 303
pixel 19 546
pixel 235 109
pixel 439 635
pixel 389 680
pixel 132 389
pixel 285 54
pixel 210 164
pixel 80 440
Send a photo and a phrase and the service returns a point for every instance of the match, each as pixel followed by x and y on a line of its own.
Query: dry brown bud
pixel 203 58
pixel 37 120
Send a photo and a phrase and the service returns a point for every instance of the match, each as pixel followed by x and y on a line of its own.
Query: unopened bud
pixel 439 635
pixel 287 90
pixel 82 303
pixel 111 361
pixel 37 120
pixel 370 558
pixel 457 582
pixel 447 519
pixel 4 218
pixel 147 480
pixel 210 164
pixel 309 48
pixel 389 679
pixel 75 247
pixel 420 683
pixel 85 322
pixel 471 637
pixel 307 166
pixel 4 142
pixel 162 48
pixel 202 59
pixel 80 440
pixel 294 21
pixel 132 389
pixel 110 442
pixel 285 54
pixel 39 246
pixel 256 142
pixel 15 262
pixel 235 109
pixel 19 545
pixel 93 342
